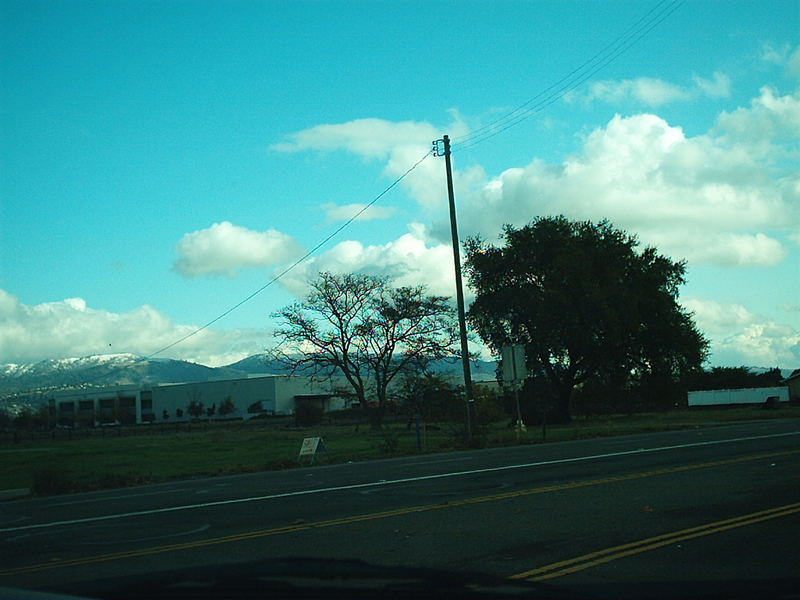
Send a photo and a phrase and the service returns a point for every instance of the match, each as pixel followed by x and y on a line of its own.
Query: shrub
pixel 388 443
pixel 308 413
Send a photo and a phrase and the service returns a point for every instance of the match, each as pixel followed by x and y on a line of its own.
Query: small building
pixel 793 383
pixel 165 402
pixel 740 396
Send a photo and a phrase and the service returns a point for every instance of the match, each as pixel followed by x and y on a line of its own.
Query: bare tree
pixel 362 328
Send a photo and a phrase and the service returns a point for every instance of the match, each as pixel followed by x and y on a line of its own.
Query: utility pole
pixel 462 319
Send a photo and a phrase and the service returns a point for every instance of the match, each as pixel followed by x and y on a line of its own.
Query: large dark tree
pixel 586 306
pixel 362 328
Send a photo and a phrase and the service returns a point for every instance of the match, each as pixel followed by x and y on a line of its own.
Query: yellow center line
pixel 592 559
pixel 249 535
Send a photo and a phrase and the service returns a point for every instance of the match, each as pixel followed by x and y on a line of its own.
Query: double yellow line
pixel 565 567
pixel 554 570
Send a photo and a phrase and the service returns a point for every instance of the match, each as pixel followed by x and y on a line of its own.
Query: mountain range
pixel 119 369
pixel 24 384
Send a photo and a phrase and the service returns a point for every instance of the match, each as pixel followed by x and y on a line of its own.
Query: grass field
pixel 49 463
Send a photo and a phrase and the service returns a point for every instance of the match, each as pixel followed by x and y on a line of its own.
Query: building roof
pixel 795 374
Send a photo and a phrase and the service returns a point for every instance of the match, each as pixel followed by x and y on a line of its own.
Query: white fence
pixel 745 396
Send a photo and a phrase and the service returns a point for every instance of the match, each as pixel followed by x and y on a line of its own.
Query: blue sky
pixel 162 161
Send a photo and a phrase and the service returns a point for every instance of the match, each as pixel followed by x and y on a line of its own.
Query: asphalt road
pixel 720 503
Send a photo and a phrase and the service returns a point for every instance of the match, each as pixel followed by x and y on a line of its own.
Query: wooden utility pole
pixel 462 319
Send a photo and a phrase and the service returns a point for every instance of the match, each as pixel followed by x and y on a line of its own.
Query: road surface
pixel 721 503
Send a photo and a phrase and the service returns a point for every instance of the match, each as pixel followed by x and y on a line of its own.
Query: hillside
pixel 25 385
pixel 103 370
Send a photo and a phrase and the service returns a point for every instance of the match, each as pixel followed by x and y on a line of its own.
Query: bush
pixel 488 409
pixel 388 443
pixel 462 440
pixel 255 408
pixel 308 413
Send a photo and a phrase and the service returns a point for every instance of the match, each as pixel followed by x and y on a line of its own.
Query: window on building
pixel 127 409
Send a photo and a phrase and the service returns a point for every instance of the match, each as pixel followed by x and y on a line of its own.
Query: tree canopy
pixel 586 306
pixel 360 327
pixel 721 378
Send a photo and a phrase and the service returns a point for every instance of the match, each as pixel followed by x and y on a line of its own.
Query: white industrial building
pixel 740 396
pixel 168 402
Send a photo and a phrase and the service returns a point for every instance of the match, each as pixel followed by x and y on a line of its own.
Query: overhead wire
pixel 296 263
pixel 83 380
pixel 572 80
pixel 569 82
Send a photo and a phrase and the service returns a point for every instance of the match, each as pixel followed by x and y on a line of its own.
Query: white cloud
pixel 770 119
pixel 766 344
pixel 224 248
pixel 771 54
pixel 730 197
pixel 373 138
pixel 70 328
pixel 717 87
pixel 793 64
pixel 654 92
pixel 345 212
pixel 786 56
pixel 740 337
pixel 401 145
pixel 734 250
pixel 715 317
pixel 412 259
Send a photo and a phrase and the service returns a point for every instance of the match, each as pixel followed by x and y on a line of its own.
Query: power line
pixel 295 264
pixel 291 267
pixel 569 82
pixel 575 78
pixel 605 56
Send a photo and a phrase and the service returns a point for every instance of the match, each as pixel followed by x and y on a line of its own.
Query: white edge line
pixel 357 486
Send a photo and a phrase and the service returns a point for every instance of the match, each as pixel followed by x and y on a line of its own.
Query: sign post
pixel 310 447
pixel 515 371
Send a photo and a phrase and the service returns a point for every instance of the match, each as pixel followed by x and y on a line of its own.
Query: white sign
pixel 310 447
pixel 514 368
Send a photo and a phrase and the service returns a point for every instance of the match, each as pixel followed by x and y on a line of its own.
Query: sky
pixel 163 161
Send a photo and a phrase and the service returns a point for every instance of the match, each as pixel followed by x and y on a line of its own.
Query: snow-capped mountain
pixel 102 370
pixel 27 383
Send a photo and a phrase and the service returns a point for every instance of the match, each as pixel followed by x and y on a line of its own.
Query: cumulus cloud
pixel 786 55
pixel 224 248
pixel 345 212
pixel 412 259
pixel 741 337
pixel 716 317
pixel 401 145
pixel 654 92
pixel 730 197
pixel 70 328
pixel 719 86
pixel 766 129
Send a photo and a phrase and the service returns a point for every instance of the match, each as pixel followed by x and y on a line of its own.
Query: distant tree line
pixel 598 317
pixel 732 378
